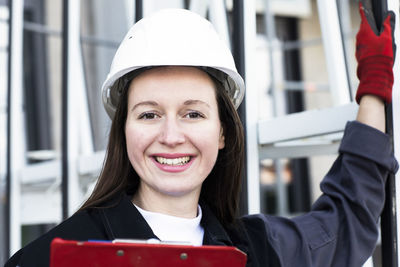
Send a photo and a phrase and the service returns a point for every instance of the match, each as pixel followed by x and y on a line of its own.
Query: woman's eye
pixel 148 116
pixel 194 115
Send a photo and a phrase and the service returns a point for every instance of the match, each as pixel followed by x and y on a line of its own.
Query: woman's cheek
pixel 207 136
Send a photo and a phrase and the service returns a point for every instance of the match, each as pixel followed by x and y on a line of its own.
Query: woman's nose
pixel 171 133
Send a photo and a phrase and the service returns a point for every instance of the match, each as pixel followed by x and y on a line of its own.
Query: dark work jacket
pixel 340 230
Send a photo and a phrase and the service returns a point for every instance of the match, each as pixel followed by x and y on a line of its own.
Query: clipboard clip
pixel 150 241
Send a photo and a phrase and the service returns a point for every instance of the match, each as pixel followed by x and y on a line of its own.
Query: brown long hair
pixel 221 188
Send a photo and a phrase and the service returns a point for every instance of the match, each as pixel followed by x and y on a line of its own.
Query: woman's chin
pixel 178 192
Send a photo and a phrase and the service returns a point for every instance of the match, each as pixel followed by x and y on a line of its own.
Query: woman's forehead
pixel 172 81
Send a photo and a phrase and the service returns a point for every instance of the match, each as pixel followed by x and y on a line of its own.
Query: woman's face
pixel 173 132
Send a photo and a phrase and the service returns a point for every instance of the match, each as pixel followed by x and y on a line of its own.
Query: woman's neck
pixel 180 206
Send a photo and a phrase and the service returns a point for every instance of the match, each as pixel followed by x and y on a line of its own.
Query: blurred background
pixel 297 58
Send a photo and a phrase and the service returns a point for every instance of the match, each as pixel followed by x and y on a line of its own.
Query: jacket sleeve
pixel 341 229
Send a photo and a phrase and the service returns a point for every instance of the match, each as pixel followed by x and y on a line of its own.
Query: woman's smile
pixel 173 162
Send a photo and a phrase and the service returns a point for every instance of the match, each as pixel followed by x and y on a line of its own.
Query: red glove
pixel 375 50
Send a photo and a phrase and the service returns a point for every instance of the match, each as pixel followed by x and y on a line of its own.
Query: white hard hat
pixel 173 37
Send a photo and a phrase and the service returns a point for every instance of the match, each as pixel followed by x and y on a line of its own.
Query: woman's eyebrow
pixel 144 103
pixel 193 102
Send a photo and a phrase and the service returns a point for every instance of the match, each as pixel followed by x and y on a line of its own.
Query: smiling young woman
pixel 196 118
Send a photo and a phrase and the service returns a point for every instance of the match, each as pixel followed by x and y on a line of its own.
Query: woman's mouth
pixel 173 161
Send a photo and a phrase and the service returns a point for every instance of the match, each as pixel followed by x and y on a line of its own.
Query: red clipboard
pixel 65 253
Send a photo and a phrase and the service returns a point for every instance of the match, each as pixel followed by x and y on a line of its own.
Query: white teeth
pixel 175 161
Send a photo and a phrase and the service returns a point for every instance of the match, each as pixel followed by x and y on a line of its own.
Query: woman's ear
pixel 221 142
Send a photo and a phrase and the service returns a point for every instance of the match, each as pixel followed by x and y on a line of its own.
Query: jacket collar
pixel 214 232
pixel 123 220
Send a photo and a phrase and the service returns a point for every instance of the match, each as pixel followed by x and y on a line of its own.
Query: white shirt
pixel 172 228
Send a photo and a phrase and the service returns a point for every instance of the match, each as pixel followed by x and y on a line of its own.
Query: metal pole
pixel 218 17
pixel 394 5
pixel 64 112
pixel 390 235
pixel 345 26
pixel 334 52
pixel 251 106
pixel 272 41
pixel 15 123
pixel 8 167
pixel 79 132
pixel 238 40
pixel 388 216
pixel 243 48
pixel 138 10
pixel 238 54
